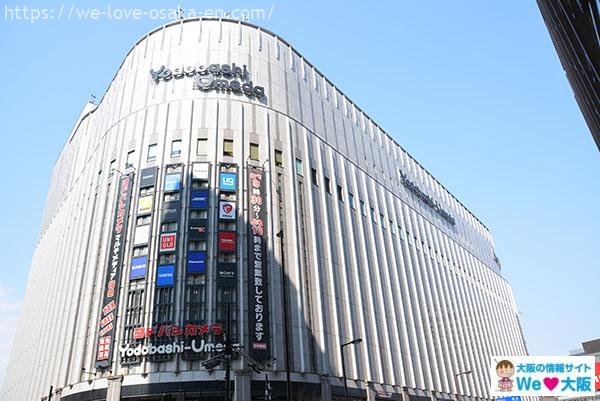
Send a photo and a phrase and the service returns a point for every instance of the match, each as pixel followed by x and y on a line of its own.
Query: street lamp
pixel 355 341
pixel 466 372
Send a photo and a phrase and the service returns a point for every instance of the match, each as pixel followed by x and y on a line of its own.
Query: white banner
pixel 546 376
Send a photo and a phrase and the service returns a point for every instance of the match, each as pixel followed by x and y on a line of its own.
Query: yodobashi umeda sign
pixel 176 347
pixel 219 77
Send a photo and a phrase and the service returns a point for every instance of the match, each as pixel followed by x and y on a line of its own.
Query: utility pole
pixel 50 393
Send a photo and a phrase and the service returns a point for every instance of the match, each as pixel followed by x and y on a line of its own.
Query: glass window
pixel 171 196
pixel 111 168
pixel 176 148
pixel 198 245
pixel 363 208
pixel 143 220
pixel 340 193
pixel 202 147
pixel 351 200
pixel 314 177
pixel 254 151
pixel 140 251
pixel 166 227
pixel 166 259
pixel 228 147
pixel 327 186
pixel 198 214
pixel 130 156
pixel 299 169
pixel 278 158
pixel 152 151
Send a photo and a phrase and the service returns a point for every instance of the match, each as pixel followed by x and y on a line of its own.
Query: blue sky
pixel 473 89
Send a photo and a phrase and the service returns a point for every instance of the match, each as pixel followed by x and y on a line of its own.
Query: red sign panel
pixel 227 241
pixel 167 242
pixel 597 376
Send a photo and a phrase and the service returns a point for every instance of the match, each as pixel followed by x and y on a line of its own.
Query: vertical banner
pixel 258 295
pixel 110 290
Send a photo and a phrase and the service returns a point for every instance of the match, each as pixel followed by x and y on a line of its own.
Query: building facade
pixel 574 27
pixel 223 186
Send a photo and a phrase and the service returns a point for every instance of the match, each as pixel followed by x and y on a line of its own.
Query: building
pixel 221 174
pixel 574 27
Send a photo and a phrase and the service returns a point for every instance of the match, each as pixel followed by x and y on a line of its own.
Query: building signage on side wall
pixel 200 171
pixel 228 181
pixel 432 203
pixel 108 313
pixel 226 210
pixel 148 177
pixel 220 77
pixel 258 276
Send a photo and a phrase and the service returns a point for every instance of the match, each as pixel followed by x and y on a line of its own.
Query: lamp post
pixel 355 341
pixel 466 372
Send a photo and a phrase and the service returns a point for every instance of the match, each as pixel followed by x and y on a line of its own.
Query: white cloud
pixel 10 306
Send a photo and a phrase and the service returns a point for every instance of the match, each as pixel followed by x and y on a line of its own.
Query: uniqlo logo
pixel 597 376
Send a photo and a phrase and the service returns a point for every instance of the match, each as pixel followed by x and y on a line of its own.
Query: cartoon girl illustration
pixel 505 369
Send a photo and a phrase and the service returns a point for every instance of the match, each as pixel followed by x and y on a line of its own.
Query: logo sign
pixel 148 177
pixel 226 210
pixel 118 234
pixel 167 242
pixel 220 77
pixel 198 228
pixel 513 398
pixel 165 276
pixel 227 241
pixel 597 376
pixel 200 171
pixel 142 235
pixel 546 376
pixel 258 294
pixel 227 273
pixel 170 211
pixel 228 181
pixel 196 262
pixel 138 267
pixel 199 199
pixel 428 200
pixel 173 182
pixel 197 347
pixel 145 204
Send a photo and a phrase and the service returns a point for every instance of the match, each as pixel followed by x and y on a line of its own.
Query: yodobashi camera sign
pixel 176 347
pixel 219 77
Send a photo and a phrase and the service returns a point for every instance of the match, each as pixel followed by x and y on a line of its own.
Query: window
pixel 202 147
pixel 199 184
pixel 173 168
pixel 111 167
pixel 227 226
pixel 226 196
pixel 198 214
pixel 340 193
pixel 143 220
pixel 314 177
pixel 198 245
pixel 140 251
pixel 146 191
pixel 152 151
pixel 166 259
pixel 227 258
pixel 176 148
pixel 373 216
pixel 299 169
pixel 327 186
pixel 278 158
pixel 171 196
pixel 228 147
pixel 130 156
pixel 363 208
pixel 254 151
pixel 166 227
pixel 351 200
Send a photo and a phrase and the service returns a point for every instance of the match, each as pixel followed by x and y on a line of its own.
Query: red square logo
pixel 597 376
pixel 167 242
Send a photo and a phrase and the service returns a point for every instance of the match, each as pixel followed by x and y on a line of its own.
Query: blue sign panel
pixel 173 182
pixel 228 181
pixel 165 276
pixel 196 262
pixel 138 267
pixel 199 199
pixel 512 398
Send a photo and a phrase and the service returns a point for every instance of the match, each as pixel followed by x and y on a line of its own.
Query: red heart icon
pixel 551 382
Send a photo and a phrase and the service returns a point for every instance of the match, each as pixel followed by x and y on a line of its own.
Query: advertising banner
pixel 199 199
pixel 227 241
pixel 138 267
pixel 226 210
pixel 227 274
pixel 198 228
pixel 228 181
pixel 148 177
pixel 141 235
pixel 200 171
pixel 118 236
pixel 168 242
pixel 543 376
pixel 172 182
pixel 165 276
pixel 196 262
pixel 258 294
pixel 145 204
pixel 170 211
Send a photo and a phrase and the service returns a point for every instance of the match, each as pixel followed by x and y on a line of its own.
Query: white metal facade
pixel 368 259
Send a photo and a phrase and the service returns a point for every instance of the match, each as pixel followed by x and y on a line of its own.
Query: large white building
pixel 217 159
